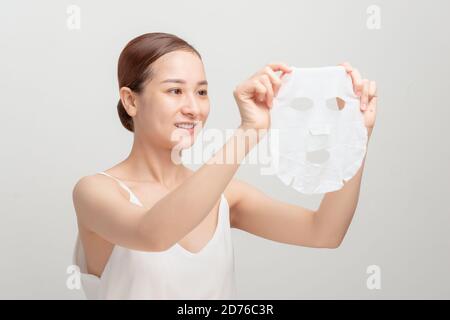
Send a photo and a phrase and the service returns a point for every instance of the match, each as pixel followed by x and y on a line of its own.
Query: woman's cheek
pixel 205 112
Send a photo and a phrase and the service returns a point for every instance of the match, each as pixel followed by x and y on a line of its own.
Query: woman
pixel 150 228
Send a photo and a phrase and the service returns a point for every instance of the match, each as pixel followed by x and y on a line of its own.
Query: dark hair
pixel 134 67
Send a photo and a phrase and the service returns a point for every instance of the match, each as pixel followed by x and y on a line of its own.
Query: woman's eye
pixel 176 89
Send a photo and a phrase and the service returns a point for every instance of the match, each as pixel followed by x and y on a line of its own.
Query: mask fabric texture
pixel 319 144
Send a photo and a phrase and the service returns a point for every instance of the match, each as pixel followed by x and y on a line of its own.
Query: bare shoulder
pixel 90 187
pixel 95 183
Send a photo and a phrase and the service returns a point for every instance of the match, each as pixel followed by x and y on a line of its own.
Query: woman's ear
pixel 128 101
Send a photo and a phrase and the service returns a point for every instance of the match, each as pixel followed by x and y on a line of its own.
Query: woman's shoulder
pixel 94 184
pixel 92 181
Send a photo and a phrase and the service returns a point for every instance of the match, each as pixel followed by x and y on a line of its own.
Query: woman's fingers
pixel 260 90
pixel 357 82
pixel 372 89
pixel 276 81
pixel 356 78
pixel 347 66
pixel 284 68
pixel 372 96
pixel 265 80
pixel 365 94
pixel 271 81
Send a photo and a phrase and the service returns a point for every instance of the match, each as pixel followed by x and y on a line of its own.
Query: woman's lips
pixel 190 130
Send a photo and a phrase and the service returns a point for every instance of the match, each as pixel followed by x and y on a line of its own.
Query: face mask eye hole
pixel 335 104
pixel 302 104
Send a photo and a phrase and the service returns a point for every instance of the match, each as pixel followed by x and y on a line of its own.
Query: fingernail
pixel 363 106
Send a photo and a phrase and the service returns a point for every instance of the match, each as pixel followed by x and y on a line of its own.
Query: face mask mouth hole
pixel 302 104
pixel 335 104
pixel 318 156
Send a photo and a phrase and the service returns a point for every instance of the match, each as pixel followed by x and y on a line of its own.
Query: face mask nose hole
pixel 335 104
pixel 301 104
pixel 318 156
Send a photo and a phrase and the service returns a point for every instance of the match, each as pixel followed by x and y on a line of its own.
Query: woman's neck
pixel 147 163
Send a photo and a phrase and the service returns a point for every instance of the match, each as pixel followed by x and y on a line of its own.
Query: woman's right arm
pixel 102 210
pixel 171 218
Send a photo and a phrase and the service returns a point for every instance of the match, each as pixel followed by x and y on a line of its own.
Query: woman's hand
pixel 367 91
pixel 254 96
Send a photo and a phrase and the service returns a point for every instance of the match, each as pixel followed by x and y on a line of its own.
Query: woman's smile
pixel 188 126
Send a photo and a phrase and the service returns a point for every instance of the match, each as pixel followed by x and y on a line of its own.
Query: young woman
pixel 149 227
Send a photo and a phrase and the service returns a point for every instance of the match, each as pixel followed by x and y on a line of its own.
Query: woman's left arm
pixel 255 212
pixel 336 210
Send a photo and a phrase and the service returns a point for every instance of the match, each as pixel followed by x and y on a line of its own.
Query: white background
pixel 59 122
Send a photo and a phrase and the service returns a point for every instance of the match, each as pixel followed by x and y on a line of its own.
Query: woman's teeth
pixel 185 125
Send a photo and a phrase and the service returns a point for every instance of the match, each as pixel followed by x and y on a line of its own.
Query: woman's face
pixel 175 97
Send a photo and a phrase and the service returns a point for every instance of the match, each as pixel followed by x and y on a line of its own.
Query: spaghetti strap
pixel 133 198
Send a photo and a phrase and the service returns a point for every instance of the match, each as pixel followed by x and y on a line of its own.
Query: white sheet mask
pixel 320 145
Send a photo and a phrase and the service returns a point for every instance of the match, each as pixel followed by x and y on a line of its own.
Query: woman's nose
pixel 191 107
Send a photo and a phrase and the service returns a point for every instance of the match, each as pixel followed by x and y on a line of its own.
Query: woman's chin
pixel 184 142
pixel 184 139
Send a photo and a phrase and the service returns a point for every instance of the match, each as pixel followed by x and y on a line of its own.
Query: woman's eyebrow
pixel 183 81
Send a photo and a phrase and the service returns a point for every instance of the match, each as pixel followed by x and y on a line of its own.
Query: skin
pixel 180 205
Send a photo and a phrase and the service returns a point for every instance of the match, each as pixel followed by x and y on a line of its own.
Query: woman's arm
pixel 101 210
pixel 174 216
pixel 336 211
pixel 180 211
pixel 257 213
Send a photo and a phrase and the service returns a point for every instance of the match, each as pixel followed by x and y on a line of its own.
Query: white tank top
pixel 175 273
